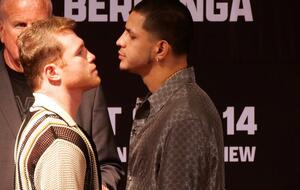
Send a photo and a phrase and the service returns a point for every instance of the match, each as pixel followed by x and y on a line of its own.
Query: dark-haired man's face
pixel 136 46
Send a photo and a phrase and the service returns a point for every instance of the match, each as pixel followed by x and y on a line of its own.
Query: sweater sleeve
pixel 62 166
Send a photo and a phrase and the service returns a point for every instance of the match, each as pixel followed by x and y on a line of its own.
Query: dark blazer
pixel 92 117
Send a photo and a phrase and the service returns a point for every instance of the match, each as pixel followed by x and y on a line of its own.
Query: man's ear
pixel 162 50
pixel 52 72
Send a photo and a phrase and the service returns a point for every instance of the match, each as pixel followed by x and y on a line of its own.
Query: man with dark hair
pixel 176 139
pixel 15 16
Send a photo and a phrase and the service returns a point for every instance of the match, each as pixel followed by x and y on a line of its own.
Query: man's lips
pixel 121 55
pixel 94 69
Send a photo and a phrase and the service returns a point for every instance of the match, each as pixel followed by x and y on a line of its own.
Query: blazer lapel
pixel 8 106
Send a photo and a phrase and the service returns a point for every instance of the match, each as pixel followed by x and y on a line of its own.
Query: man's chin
pixel 123 66
pixel 97 83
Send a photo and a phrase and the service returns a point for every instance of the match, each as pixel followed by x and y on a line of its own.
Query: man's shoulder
pixel 191 103
pixel 89 96
pixel 89 93
pixel 45 117
pixel 190 90
pixel 190 95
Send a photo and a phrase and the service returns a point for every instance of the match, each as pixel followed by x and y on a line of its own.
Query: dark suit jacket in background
pixel 92 117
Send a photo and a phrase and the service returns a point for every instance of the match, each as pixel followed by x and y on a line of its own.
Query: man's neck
pixel 11 63
pixel 69 101
pixel 160 73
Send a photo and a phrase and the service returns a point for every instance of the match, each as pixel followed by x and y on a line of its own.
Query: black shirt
pixel 22 92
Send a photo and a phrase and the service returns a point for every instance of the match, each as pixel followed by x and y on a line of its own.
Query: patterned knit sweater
pixel 51 151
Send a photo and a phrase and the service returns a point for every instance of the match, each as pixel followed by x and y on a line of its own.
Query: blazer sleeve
pixel 93 118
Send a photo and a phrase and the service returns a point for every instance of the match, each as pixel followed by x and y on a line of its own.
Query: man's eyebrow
pixel 129 30
pixel 79 48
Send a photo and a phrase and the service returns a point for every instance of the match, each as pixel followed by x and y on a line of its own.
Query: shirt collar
pixel 42 100
pixel 159 98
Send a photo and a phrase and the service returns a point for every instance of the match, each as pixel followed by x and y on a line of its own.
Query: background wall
pixel 246 57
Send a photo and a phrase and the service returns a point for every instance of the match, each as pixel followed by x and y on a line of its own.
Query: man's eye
pixel 132 36
pixel 21 25
pixel 81 52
